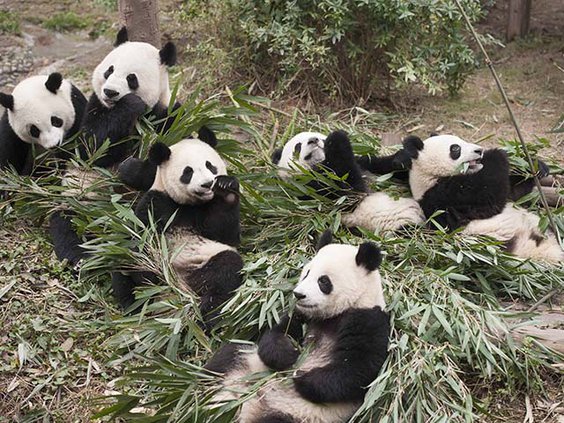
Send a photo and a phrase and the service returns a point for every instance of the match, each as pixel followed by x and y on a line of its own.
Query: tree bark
pixel 141 19
pixel 519 16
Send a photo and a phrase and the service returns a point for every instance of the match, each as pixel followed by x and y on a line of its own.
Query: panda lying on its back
pixel 131 79
pixel 42 110
pixel 340 299
pixel 377 211
pixel 471 186
pixel 191 182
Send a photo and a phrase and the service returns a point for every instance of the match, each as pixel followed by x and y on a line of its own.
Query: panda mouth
pixel 204 195
pixel 472 166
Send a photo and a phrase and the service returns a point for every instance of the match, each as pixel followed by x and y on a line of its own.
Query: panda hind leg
pixel 219 278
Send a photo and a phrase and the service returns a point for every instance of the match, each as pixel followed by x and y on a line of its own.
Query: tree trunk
pixel 140 18
pixel 519 16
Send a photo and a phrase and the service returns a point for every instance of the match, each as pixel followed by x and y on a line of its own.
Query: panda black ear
pixel 122 37
pixel 276 156
pixel 168 54
pixel 412 145
pixel 206 135
pixel 369 256
pixel 159 153
pixel 54 82
pixel 433 134
pixel 7 101
pixel 325 239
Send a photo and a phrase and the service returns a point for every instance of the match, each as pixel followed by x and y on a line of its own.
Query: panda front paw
pixel 227 188
pixel 277 351
pixel 133 103
pixel 402 160
pixel 542 168
pixel 338 146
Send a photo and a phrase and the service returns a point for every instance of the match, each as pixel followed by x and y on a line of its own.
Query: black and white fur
pixel 378 211
pixel 304 149
pixel 470 186
pixel 132 79
pixel 399 164
pixel 341 303
pixel 43 110
pixel 191 183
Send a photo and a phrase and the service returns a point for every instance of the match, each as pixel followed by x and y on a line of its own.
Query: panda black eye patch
pixel 109 72
pixel 455 151
pixel 325 284
pixel 34 131
pixel 132 81
pixel 57 122
pixel 187 175
pixel 211 168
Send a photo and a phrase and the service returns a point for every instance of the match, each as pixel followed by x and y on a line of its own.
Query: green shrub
pixel 354 49
pixel 9 23
pixel 66 21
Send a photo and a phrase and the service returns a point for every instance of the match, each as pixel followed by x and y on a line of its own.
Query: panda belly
pixel 379 212
pixel 519 229
pixel 279 397
pixel 190 253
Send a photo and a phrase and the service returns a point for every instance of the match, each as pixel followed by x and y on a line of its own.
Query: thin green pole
pixel 511 115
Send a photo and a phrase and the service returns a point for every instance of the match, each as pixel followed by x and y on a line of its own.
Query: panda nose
pixel 299 295
pixel 207 184
pixel 110 93
pixel 479 151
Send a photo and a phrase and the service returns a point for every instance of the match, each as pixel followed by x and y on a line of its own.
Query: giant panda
pixel 377 212
pixel 131 79
pixel 191 183
pixel 399 163
pixel 470 185
pixel 340 301
pixel 43 111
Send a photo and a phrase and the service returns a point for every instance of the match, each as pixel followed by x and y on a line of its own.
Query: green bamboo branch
pixel 511 115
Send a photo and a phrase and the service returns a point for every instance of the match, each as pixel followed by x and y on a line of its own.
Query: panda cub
pixel 470 186
pixel 376 211
pixel 191 183
pixel 43 110
pixel 341 303
pixel 132 78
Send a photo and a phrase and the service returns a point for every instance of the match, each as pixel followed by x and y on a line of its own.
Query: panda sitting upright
pixel 132 78
pixel 376 211
pixel 340 299
pixel 43 110
pixel 471 186
pixel 191 183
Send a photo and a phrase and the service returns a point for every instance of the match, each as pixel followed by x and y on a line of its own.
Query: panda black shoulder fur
pixel 341 302
pixel 191 182
pixel 132 78
pixel 376 211
pixel 471 186
pixel 43 110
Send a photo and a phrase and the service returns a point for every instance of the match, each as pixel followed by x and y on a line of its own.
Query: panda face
pixel 306 149
pixel 42 110
pixel 338 279
pixel 188 175
pixel 440 156
pixel 132 67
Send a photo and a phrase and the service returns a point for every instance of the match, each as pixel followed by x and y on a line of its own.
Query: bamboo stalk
pixel 511 115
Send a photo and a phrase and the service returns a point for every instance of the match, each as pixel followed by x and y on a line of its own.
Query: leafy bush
pixel 346 49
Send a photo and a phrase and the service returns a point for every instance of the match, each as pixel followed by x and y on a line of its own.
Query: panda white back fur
pixel 193 191
pixel 471 186
pixel 43 110
pixel 377 212
pixel 340 299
